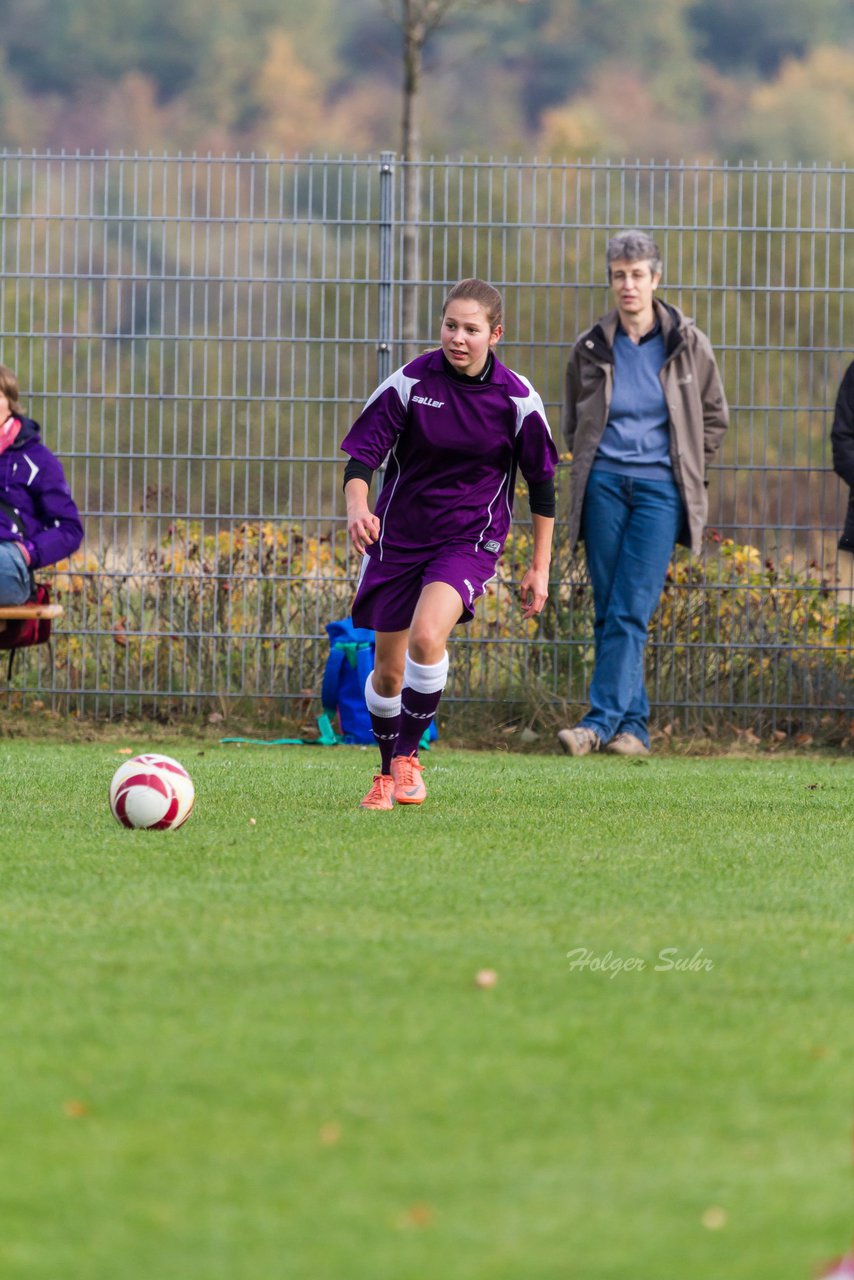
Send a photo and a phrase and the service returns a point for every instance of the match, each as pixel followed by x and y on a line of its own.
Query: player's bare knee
pixel 426 646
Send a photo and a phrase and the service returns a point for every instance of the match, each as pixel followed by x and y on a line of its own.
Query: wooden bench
pixel 14 612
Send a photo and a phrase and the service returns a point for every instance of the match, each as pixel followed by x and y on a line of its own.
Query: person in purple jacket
pixel 39 521
pixel 456 426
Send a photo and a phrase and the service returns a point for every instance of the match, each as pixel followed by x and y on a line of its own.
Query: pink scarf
pixel 9 433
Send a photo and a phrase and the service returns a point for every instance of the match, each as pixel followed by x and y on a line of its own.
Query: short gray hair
pixel 633 246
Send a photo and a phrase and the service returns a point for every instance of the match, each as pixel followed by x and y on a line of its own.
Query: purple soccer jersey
pixel 454 448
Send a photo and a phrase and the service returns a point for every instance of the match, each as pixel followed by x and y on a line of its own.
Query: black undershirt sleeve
pixel 541 498
pixel 356 470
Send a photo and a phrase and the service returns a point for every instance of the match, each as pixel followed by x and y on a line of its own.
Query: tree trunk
pixel 414 35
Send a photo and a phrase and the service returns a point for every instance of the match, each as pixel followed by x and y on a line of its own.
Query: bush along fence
pixel 206 622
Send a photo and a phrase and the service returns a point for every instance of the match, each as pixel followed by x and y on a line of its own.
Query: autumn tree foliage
pixel 649 78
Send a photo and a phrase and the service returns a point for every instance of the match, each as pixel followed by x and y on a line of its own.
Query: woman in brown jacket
pixel 645 410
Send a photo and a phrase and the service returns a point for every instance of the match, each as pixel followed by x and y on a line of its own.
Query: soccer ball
pixel 152 792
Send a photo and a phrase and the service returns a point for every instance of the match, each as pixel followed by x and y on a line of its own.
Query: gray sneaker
pixel 627 744
pixel 579 741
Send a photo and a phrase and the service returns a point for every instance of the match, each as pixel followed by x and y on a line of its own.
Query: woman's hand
pixel 363 528
pixel 534 591
pixel 362 525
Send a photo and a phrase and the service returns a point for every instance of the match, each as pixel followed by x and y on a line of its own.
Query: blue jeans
pixel 629 528
pixel 15 585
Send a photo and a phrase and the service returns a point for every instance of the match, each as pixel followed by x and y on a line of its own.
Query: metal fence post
pixel 386 276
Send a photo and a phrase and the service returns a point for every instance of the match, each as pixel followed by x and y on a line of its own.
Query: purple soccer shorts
pixel 388 592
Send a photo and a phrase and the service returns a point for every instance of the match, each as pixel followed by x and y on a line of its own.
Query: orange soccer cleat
pixel 408 784
pixel 381 794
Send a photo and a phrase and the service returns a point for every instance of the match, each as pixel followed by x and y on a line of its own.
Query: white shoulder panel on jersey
pixel 531 403
pixel 401 384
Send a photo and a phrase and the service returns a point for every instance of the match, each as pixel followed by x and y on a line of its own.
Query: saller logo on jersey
pixel 431 404
pixel 492 545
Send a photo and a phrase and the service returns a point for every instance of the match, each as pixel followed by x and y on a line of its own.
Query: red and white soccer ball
pixel 152 793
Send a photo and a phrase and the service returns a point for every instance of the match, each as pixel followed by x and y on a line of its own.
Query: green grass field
pixel 259 1051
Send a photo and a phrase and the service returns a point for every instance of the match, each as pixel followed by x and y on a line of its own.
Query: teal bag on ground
pixel 350 662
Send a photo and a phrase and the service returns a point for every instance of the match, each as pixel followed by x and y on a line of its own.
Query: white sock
pixel 385 708
pixel 425 677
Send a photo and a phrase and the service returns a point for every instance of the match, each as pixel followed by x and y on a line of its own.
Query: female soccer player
pixel 456 425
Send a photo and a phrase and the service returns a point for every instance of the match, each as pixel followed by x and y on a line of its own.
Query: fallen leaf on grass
pixel 417 1216
pixel 330 1134
pixel 124 751
pixel 75 1109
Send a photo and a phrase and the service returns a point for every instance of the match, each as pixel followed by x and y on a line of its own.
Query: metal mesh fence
pixel 197 334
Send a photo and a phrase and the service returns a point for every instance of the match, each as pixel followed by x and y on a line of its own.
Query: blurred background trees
pixel 652 79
